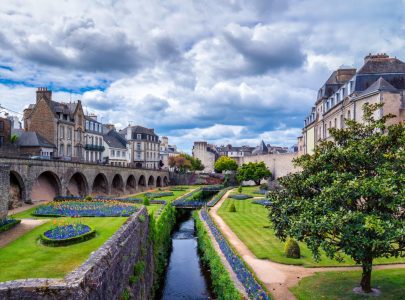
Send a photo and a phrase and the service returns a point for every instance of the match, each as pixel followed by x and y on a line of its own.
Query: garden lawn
pixel 339 285
pixel 26 257
pixel 249 222
pixel 248 190
pixel 176 194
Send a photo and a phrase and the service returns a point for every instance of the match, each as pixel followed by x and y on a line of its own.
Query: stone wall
pixel 4 190
pixel 105 275
pixel 195 178
pixel 279 164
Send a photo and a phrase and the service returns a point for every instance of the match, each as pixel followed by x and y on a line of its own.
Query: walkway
pixel 14 233
pixel 276 277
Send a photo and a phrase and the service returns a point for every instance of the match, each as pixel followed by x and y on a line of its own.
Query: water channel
pixel 186 277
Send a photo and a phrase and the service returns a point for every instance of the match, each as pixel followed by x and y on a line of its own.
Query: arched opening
pixel 46 187
pixel 100 185
pixel 77 185
pixel 165 181
pixel 16 191
pixel 117 187
pixel 142 183
pixel 151 182
pixel 131 184
pixel 158 182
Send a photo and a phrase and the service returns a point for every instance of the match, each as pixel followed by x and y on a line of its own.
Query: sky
pixel 223 71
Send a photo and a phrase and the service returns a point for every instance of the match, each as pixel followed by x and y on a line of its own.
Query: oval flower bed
pixel 240 196
pixel 85 209
pixel 67 235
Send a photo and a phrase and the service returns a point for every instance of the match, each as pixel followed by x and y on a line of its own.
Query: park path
pixel 14 233
pixel 275 276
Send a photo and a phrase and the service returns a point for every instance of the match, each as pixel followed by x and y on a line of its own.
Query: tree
pixel 196 164
pixel 225 163
pixel 350 196
pixel 255 171
pixel 14 138
pixel 180 163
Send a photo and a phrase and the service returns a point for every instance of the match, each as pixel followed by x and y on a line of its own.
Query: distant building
pixel 381 79
pixel 5 132
pixel 116 151
pixel 166 151
pixel 261 149
pixel 144 146
pixel 235 151
pixel 33 144
pixel 93 136
pixel 207 154
pixel 61 124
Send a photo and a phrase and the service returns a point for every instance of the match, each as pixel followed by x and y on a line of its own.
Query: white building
pixel 167 151
pixel 116 151
pixel 93 139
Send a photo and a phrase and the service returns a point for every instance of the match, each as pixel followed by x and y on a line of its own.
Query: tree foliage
pixel 185 162
pixel 350 196
pixel 225 163
pixel 255 171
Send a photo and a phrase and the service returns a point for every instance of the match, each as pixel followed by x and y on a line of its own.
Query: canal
pixel 186 277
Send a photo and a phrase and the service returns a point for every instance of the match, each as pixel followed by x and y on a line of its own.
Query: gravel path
pixel 14 233
pixel 277 277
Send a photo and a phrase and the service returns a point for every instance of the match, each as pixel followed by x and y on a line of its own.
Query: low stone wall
pixel 195 178
pixel 105 275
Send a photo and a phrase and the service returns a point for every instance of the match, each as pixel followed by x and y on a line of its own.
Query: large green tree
pixel 225 163
pixel 185 162
pixel 350 196
pixel 255 171
pixel 196 164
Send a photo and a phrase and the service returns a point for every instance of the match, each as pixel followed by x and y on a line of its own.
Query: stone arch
pixel 46 186
pixel 17 190
pixel 142 183
pixel 130 186
pixel 165 181
pixel 117 185
pixel 151 182
pixel 77 185
pixel 158 181
pixel 100 185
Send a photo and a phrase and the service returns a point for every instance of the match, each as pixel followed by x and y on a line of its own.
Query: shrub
pixel 88 198
pixel 292 249
pixel 218 196
pixel 232 208
pixel 146 201
pixel 264 186
pixel 240 189
pixel 262 201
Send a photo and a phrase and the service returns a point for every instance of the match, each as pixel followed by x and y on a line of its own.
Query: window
pixel 341 121
pixel 335 122
pixel 87 125
pixel 348 115
pixel 91 125
pixel 138 136
pixel 1 140
pixel 118 153
pixel 138 146
pixel 123 153
pixel 69 150
pixel 62 132
pixel 138 155
pixel 1 126
pixel 69 133
pixel 112 153
pixel 61 150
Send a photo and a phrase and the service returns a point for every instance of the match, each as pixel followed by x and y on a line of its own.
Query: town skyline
pixel 248 74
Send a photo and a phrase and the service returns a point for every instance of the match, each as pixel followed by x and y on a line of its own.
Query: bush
pixel 232 208
pixel 292 249
pixel 240 189
pixel 88 198
pixel 146 201
pixel 264 186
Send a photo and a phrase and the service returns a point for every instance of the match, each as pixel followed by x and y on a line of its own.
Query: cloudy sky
pixel 223 71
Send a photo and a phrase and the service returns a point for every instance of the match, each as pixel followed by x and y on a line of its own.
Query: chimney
pixel 375 56
pixel 42 92
pixel 110 126
pixel 93 116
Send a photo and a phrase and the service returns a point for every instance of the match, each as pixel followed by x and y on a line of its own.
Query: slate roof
pixel 380 85
pixel 33 139
pixel 115 140
pixel 382 65
pixel 261 149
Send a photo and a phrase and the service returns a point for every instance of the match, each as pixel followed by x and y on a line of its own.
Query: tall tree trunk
pixel 365 282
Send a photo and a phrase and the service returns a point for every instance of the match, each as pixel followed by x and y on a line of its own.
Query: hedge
pixel 8 224
pixel 218 196
pixel 224 287
pixel 240 196
pixel 70 241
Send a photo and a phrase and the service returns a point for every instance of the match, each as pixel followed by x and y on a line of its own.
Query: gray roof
pixel 138 129
pixel 115 140
pixel 380 85
pixel 261 149
pixel 33 139
pixel 382 64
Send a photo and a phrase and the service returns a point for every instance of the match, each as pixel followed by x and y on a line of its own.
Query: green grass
pixel 176 194
pixel 249 222
pixel 26 257
pixel 339 285
pixel 248 190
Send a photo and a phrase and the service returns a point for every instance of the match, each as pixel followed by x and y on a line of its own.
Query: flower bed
pixel 213 188
pixel 252 287
pixel 178 189
pixel 218 196
pixel 127 200
pixel 260 192
pixel 67 198
pixel 67 235
pixel 240 196
pixel 262 201
pixel 85 209
pixel 158 194
pixel 7 224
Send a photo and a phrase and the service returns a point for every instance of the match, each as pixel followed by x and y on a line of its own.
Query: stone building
pixel 94 145
pixel 235 151
pixel 5 132
pixel 143 146
pixel 381 79
pixel 116 151
pixel 207 154
pixel 32 143
pixel 62 124
pixel 166 151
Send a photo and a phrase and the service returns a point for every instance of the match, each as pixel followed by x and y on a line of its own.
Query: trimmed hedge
pixel 262 201
pixel 70 241
pixel 218 196
pixel 292 249
pixel 224 287
pixel 159 194
pixel 240 196
pixel 8 224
